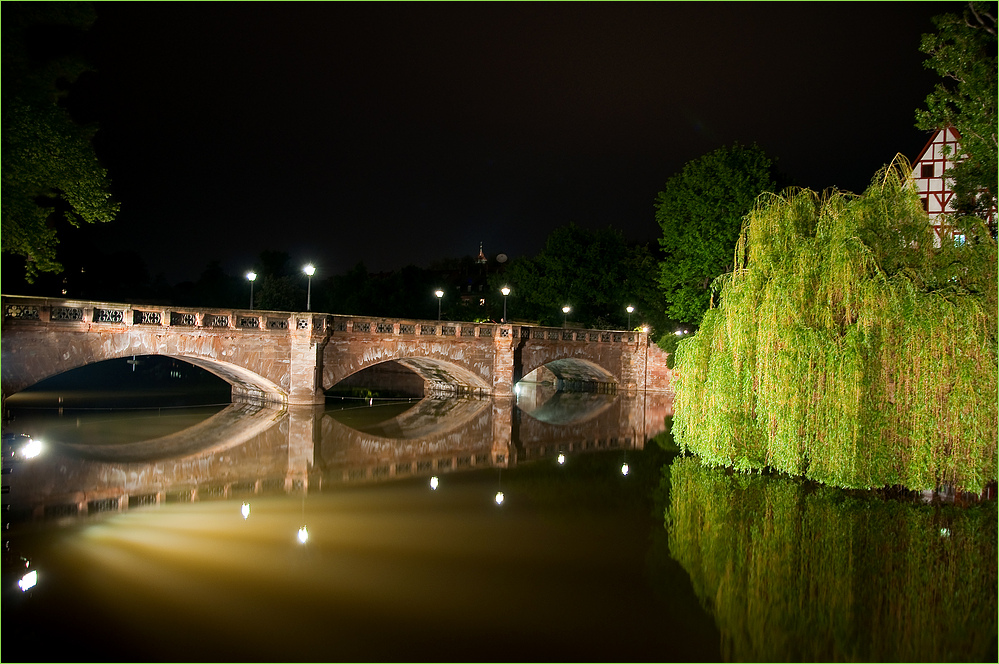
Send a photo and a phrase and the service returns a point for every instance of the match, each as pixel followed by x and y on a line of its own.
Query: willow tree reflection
pixel 799 572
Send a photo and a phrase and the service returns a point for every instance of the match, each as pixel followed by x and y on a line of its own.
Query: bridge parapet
pixel 42 310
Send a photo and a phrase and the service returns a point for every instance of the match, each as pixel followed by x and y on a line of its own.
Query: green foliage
pixel 792 571
pixel 595 272
pixel 846 348
pixel 963 52
pixel 49 165
pixel 700 212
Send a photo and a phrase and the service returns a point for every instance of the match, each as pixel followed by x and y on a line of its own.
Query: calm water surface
pixel 133 520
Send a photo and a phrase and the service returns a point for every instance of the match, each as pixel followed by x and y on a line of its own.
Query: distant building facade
pixel 941 152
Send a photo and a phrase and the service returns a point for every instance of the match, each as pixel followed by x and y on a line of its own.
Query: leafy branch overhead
pixel 49 164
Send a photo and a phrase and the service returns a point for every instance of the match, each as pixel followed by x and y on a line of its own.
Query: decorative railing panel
pixel 108 316
pixel 21 311
pixel 66 313
pixel 146 317
pixel 384 328
pixel 407 328
pixel 181 319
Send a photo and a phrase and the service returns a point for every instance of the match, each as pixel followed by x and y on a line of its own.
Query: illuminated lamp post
pixel 630 310
pixel 565 314
pixel 251 276
pixel 309 270
pixel 506 291
pixel 439 293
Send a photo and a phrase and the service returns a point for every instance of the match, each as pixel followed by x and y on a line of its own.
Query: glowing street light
pixel 565 313
pixel 251 276
pixel 630 309
pixel 309 270
pixel 439 293
pixel 506 291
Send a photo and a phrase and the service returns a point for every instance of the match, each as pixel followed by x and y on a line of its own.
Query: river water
pixel 174 533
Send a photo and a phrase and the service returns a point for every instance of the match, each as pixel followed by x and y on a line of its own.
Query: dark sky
pixel 405 133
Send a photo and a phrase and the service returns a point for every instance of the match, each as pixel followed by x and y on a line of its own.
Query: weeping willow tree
pixel 846 348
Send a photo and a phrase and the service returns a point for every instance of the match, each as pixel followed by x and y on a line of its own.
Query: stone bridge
pixel 293 358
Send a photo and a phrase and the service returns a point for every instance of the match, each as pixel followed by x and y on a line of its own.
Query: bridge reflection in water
pixel 248 449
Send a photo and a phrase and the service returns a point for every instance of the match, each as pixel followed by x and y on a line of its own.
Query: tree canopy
pixel 847 348
pixel 963 52
pixel 49 164
pixel 596 273
pixel 700 212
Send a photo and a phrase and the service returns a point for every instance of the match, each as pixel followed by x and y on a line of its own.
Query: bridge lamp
pixel 630 309
pixel 565 313
pixel 439 293
pixel 506 291
pixel 251 277
pixel 309 270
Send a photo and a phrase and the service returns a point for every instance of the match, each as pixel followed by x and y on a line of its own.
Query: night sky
pixel 399 134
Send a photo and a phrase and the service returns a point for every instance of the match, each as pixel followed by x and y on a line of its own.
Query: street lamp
pixel 506 291
pixel 439 293
pixel 309 270
pixel 630 310
pixel 565 313
pixel 251 276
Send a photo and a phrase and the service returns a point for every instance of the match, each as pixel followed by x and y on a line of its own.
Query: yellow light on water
pixel 624 469
pixel 561 458
pixel 31 449
pixel 434 482
pixel 28 581
pixel 303 534
pixel 499 497
pixel 245 509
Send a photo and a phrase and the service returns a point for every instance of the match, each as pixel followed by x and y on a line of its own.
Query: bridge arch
pixel 572 373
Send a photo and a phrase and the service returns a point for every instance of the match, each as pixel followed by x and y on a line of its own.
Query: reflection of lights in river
pixel 561 458
pixel 303 534
pixel 434 482
pixel 499 497
pixel 28 581
pixel 624 469
pixel 32 449
pixel 245 510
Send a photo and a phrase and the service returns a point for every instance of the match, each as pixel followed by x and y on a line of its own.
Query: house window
pixel 926 204
pixel 926 171
pixel 959 239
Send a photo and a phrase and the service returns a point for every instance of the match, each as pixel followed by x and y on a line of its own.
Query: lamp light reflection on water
pixel 303 534
pixel 245 509
pixel 31 449
pixel 624 469
pixel 434 482
pixel 561 459
pixel 499 497
pixel 28 581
